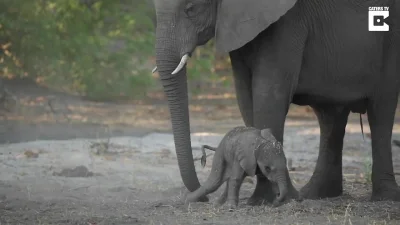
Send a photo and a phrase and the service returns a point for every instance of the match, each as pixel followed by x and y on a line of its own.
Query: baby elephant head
pixel 271 160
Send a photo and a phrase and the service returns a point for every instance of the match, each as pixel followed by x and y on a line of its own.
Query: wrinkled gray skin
pixel 245 151
pixel 307 52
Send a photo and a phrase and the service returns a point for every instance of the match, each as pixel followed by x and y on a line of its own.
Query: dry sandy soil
pixel 65 160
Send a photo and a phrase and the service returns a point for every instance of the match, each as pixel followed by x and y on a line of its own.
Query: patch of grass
pixel 367 170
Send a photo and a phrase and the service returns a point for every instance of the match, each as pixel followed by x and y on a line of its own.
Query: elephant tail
pixel 362 127
pixel 204 156
pixel 208 147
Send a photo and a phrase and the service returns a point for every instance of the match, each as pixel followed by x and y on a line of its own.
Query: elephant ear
pixel 267 134
pixel 247 160
pixel 240 21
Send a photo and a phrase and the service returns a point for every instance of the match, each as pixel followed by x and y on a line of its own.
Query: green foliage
pixel 89 49
pixel 208 68
pixel 98 48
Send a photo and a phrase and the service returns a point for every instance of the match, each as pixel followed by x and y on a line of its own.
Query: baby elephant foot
pixel 232 205
pixel 231 208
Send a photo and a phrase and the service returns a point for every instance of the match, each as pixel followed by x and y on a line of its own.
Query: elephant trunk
pixel 175 89
pixel 283 187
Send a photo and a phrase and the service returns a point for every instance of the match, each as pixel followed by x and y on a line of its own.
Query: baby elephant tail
pixel 204 156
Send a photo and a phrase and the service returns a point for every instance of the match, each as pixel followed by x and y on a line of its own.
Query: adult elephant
pixel 307 52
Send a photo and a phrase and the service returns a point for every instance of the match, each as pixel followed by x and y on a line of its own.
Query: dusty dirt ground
pixel 64 160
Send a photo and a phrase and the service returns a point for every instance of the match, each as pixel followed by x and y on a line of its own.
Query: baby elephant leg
pixel 213 182
pixel 234 183
pixel 222 199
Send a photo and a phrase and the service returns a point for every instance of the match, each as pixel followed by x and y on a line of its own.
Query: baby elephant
pixel 245 151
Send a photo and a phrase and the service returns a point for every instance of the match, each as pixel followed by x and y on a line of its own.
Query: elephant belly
pixel 342 60
pixel 356 106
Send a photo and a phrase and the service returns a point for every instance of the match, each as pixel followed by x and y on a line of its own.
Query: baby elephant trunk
pixel 283 187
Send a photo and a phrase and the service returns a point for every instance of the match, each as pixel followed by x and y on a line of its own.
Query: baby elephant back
pixel 242 137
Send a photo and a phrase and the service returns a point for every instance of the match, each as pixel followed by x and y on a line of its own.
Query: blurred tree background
pixel 102 49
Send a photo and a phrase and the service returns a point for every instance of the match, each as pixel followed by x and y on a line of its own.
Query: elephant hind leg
pixel 222 199
pixel 381 113
pixel 327 179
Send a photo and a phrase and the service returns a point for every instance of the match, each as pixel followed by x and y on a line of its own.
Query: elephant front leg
pixel 271 99
pixel 381 113
pixel 244 94
pixel 327 179
pixel 245 91
pixel 242 79
pixel 263 193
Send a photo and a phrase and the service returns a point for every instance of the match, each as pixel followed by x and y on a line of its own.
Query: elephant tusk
pixel 183 62
pixel 154 70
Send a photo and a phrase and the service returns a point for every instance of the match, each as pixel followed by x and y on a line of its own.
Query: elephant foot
pixel 294 194
pixel 231 206
pixel 323 185
pixel 263 194
pixel 386 192
pixel 261 198
pixel 255 200
pixel 203 199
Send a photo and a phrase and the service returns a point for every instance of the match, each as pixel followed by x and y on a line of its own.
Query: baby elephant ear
pixel 267 134
pixel 247 160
